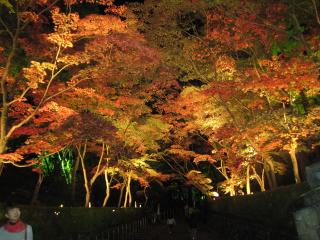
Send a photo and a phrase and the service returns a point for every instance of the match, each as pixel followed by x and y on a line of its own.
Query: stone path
pixel 181 232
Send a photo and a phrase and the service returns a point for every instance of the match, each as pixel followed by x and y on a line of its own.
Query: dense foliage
pixel 214 94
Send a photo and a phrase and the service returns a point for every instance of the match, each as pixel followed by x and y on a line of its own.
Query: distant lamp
pixel 215 194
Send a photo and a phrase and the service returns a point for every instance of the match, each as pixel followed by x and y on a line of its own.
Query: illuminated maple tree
pixel 245 45
pixel 36 79
pixel 28 92
pixel 222 84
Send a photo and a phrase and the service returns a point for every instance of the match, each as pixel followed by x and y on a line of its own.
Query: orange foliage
pixel 99 25
pixel 28 16
pixel 283 74
pixel 202 158
pixel 15 157
pixel 240 26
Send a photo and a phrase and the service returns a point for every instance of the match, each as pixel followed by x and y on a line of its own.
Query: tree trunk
pixel 232 191
pixel 145 196
pixel 294 160
pixel 88 197
pixel 270 172
pixel 267 165
pixel 106 198
pixel 108 183
pixel 85 176
pixel 130 195
pixel 248 180
pixel 3 127
pixel 121 192
pixel 127 198
pixel 259 179
pixel 74 179
pixel 262 185
pixel 37 189
pixel 232 188
pixel 1 168
pixel 266 169
pixel 4 92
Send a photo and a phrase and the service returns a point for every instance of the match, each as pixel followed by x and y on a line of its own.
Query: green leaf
pixel 275 49
pixel 47 166
pixel 300 108
pixel 290 45
pixel 285 47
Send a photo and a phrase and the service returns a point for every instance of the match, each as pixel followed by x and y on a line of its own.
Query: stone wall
pixel 272 209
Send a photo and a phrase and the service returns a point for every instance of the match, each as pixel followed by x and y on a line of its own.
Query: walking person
pixel 15 228
pixel 193 219
pixel 158 213
pixel 171 222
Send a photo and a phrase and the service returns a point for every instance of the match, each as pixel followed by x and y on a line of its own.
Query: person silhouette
pixel 171 222
pixel 15 228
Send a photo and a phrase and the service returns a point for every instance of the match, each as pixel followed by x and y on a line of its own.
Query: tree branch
pixel 316 10
pixel 6 28
pixel 21 96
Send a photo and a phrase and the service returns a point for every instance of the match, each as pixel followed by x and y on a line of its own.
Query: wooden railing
pixel 135 230
pixel 126 231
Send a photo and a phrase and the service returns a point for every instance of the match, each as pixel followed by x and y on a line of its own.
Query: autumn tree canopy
pixel 229 87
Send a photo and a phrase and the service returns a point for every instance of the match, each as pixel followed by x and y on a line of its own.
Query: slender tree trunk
pixel 4 92
pixel 232 191
pixel 316 10
pixel 267 165
pixel 88 197
pixel 229 180
pixel 232 187
pixel 121 192
pixel 145 196
pixel 87 187
pixel 127 198
pixel 130 195
pixel 89 183
pixel 266 168
pixel 106 198
pixel 259 179
pixel 74 179
pixel 3 139
pixel 271 172
pixel 106 179
pixel 248 180
pixel 37 189
pixel 1 168
pixel 262 185
pixel 294 160
pixel 85 176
